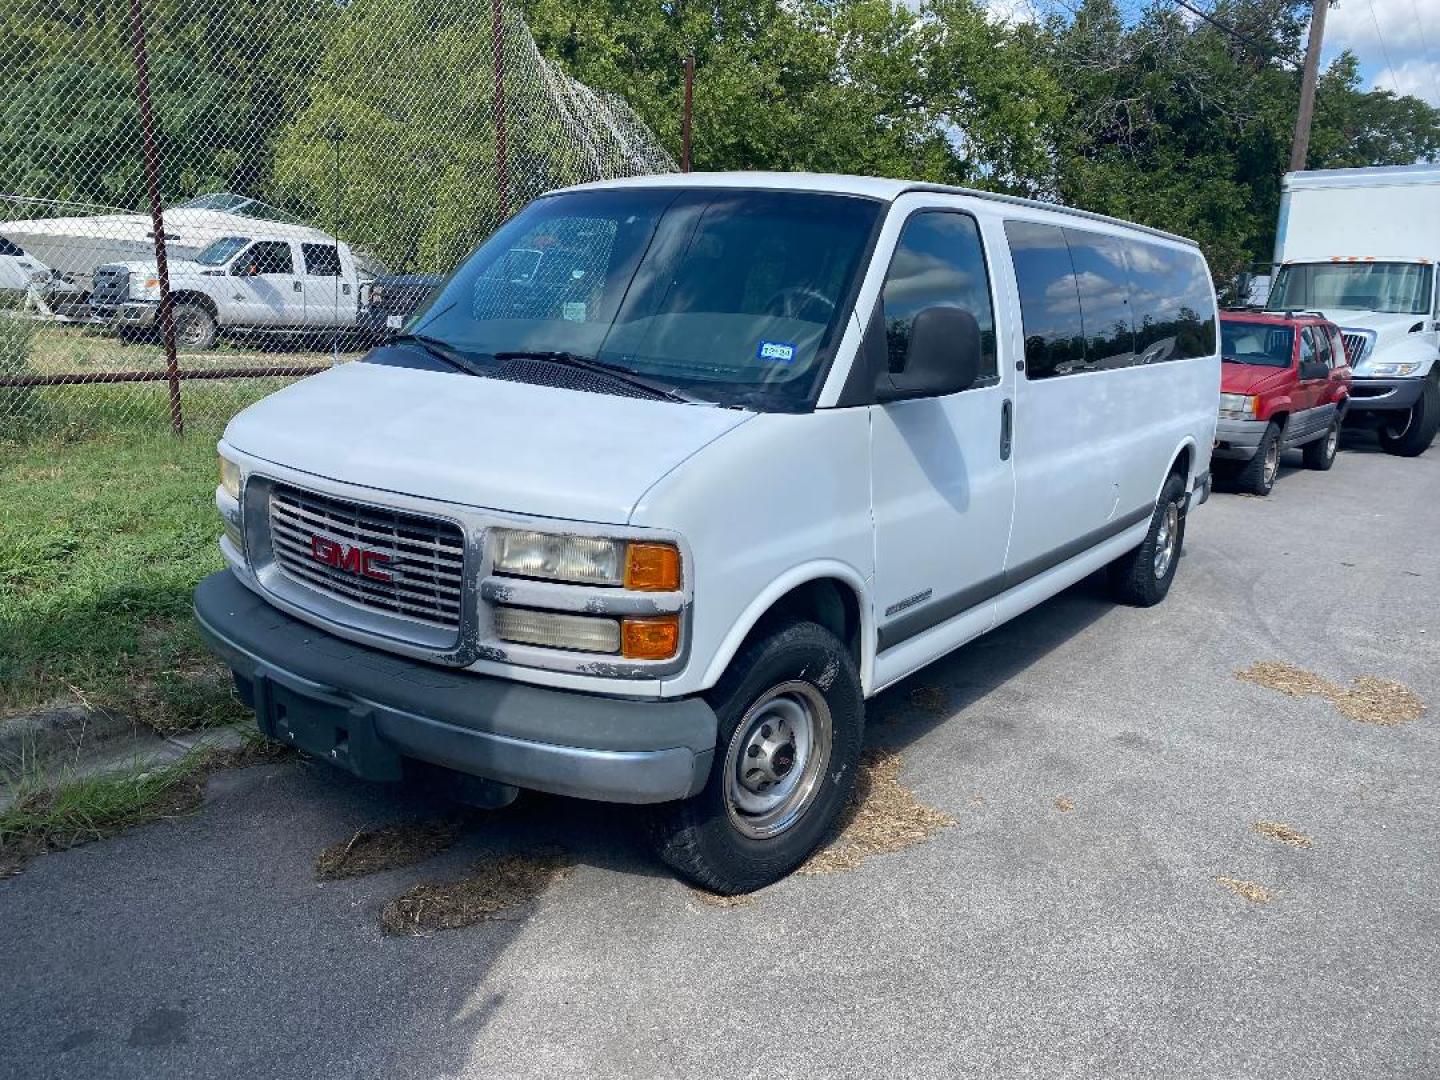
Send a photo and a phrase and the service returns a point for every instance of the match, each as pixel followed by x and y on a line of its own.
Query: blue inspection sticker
pixel 777 352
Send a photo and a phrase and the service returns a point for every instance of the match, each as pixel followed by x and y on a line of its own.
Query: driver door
pixel 266 289
pixel 943 486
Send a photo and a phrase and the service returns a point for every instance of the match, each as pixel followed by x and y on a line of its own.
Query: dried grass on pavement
pixel 494 889
pixel 1064 804
pixel 1247 890
pixel 1367 700
pixel 1284 833
pixel 710 899
pixel 883 817
pixel 369 851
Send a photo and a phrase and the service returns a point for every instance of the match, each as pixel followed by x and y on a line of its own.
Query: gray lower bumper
pixel 141 315
pixel 1381 395
pixel 1238 439
pixel 365 710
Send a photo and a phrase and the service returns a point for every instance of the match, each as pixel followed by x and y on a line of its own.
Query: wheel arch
pixel 200 299
pixel 830 593
pixel 1184 461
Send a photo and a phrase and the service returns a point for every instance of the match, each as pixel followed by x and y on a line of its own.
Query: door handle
pixel 1005 422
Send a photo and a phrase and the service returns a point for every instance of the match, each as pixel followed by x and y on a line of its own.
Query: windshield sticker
pixel 779 352
pixel 573 311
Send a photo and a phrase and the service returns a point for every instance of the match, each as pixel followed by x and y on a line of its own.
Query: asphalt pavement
pixel 1027 940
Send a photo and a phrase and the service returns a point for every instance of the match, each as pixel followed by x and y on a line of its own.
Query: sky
pixel 1397 42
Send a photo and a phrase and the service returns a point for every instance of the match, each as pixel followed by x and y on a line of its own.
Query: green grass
pixel 102 541
pixel 76 811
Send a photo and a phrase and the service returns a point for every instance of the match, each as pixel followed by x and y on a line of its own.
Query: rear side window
pixel 1089 301
pixel 268 257
pixel 1102 279
pixel 1049 299
pixel 939 262
pixel 321 260
pixel 7 248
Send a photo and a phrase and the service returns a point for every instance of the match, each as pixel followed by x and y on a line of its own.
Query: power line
pixel 1383 50
pixel 1261 47
pixel 1430 65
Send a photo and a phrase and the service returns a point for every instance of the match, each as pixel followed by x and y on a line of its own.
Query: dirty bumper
pixel 366 710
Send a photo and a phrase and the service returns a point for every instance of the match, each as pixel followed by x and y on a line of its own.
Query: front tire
pixel 1258 475
pixel 1320 454
pixel 1413 433
pixel 792 725
pixel 195 328
pixel 1142 577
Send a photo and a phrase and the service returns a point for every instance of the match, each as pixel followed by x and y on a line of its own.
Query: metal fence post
pixel 157 215
pixel 502 165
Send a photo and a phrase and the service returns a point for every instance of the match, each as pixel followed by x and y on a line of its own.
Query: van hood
pixel 1251 378
pixel 478 442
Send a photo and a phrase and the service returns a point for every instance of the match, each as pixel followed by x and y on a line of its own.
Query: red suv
pixel 1284 384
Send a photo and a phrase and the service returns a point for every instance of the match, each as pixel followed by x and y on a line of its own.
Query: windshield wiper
pixel 599 367
pixel 441 351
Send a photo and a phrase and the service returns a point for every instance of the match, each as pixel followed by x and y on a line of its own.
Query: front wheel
pixel 1259 473
pixel 195 327
pixel 791 728
pixel 1142 577
pixel 1411 434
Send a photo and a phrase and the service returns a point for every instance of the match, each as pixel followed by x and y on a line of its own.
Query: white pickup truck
pixel 297 283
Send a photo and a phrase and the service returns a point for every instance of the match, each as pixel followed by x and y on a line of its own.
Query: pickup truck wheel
pixel 1320 454
pixel 1411 434
pixel 792 723
pixel 194 327
pixel 1258 475
pixel 1142 577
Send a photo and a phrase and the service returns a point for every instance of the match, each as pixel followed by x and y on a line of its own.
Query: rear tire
pixel 1258 474
pixel 1142 577
pixel 792 724
pixel 1412 435
pixel 1320 454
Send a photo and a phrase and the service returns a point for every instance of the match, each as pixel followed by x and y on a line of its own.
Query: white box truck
pixel 1359 246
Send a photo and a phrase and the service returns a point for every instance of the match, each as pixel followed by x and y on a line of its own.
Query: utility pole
pixel 1301 145
pixel 502 148
pixel 685 117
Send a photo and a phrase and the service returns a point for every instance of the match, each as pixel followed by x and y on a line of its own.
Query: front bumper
pixel 135 314
pixel 1381 395
pixel 1237 440
pixel 366 710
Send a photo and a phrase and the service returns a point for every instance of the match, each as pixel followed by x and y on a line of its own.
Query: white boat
pixel 75 246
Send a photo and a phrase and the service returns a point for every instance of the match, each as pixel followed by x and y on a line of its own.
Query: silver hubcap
pixel 1272 461
pixel 1332 442
pixel 776 759
pixel 188 331
pixel 1165 539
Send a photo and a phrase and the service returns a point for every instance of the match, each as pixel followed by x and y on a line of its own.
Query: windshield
pixel 1401 288
pixel 220 252
pixel 734 296
pixel 1260 343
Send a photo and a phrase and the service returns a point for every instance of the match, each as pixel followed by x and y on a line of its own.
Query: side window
pixel 268 257
pixel 7 248
pixel 1307 346
pixel 1172 302
pixel 1322 346
pixel 1338 356
pixel 1049 299
pixel 1103 281
pixel 939 262
pixel 321 260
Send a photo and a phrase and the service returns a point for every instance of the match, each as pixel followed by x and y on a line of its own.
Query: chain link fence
pixel 312 168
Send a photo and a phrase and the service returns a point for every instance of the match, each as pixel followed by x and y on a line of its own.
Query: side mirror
pixel 942 357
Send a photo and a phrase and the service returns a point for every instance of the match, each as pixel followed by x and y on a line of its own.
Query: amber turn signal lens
pixel 650 639
pixel 652 567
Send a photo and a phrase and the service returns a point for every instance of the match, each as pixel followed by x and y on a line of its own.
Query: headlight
pixel 1394 369
pixel 587 560
pixel 1239 406
pixel 230 477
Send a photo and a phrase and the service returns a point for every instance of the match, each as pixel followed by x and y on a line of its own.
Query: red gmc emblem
pixel 352 559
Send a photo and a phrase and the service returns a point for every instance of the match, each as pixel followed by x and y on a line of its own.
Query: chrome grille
pixel 1355 345
pixel 424 557
pixel 110 285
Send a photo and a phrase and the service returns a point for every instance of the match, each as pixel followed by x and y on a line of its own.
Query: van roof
pixel 873 187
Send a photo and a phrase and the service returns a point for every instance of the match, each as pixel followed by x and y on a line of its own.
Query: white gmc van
pixel 675 472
